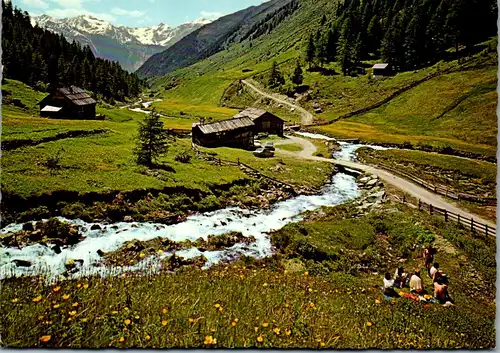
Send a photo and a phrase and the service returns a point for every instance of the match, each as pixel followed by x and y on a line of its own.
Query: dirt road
pixel 414 190
pixel 307 118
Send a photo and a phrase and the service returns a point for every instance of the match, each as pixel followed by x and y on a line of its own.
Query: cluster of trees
pixel 287 85
pixel 408 33
pixel 46 60
pixel 271 21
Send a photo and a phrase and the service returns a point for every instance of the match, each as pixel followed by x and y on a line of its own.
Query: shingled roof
pixel 77 95
pixel 252 113
pixel 225 125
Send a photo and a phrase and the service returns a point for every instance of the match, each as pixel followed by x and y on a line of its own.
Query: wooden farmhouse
pixel 68 103
pixel 264 121
pixel 237 133
pixel 384 69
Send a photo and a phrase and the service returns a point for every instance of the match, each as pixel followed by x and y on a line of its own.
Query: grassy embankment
pixel 455 110
pixel 458 174
pixel 310 295
pixel 105 162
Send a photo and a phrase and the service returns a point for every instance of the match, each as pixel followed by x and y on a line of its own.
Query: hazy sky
pixel 137 13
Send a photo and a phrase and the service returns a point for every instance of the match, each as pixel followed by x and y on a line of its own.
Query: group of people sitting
pixel 415 283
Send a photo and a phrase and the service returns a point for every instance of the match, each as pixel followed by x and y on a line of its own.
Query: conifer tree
pixel 276 78
pixel 298 76
pixel 152 140
pixel 310 51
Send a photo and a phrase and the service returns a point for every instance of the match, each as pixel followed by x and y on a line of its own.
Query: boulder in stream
pixel 22 263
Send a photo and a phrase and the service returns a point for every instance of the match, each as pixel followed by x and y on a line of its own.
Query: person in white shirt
pixel 389 286
pixel 416 285
pixel 434 269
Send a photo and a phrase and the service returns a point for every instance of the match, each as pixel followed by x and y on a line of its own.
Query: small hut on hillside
pixel 70 103
pixel 383 69
pixel 264 121
pixel 237 133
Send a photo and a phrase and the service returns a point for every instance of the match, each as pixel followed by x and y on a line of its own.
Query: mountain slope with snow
pixel 130 46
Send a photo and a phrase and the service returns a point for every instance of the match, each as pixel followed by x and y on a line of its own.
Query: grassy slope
pixel 99 163
pixel 272 303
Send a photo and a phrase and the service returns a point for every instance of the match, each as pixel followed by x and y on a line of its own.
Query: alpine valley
pixel 130 46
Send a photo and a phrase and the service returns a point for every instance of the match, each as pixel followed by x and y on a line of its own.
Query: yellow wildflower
pixel 127 322
pixel 40 317
pixel 72 313
pixel 114 312
pixel 85 286
pixel 122 339
pixel 66 296
pixel 310 290
pixel 45 339
pixel 74 305
pixel 217 306
pixel 212 330
pixel 220 309
pixel 84 320
pixel 164 323
pixel 56 289
pixel 288 332
pixel 322 344
pixel 56 306
pixel 15 300
pixel 148 337
pixel 191 321
pixel 164 310
pixel 78 285
pixel 126 309
pixel 369 324
pixel 306 273
pixel 256 329
pixel 260 339
pixel 277 330
pixel 377 301
pixel 210 340
pixel 37 299
pixel 137 317
pixel 233 323
pixel 142 255
pixel 160 251
pixel 265 324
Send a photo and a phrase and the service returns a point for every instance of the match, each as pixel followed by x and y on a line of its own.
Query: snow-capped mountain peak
pixel 130 46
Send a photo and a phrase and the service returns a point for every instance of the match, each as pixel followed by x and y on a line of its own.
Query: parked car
pixel 269 146
pixel 263 153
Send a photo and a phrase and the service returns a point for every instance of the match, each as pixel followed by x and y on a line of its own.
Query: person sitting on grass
pixel 388 287
pixel 441 292
pixel 400 277
pixel 434 269
pixel 416 285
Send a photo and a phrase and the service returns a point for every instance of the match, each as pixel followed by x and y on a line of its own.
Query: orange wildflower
pixel 37 299
pixel 45 339
pixel 56 289
pixel 66 296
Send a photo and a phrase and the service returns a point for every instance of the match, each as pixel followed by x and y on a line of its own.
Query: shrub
pixel 183 157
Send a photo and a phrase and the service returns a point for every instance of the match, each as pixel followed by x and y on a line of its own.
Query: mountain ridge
pixel 130 46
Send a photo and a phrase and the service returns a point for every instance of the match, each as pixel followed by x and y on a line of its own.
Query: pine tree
pixel 310 51
pixel 344 46
pixel 298 76
pixel 276 78
pixel 152 140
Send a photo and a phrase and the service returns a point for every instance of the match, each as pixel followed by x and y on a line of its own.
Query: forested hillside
pixel 43 59
pixel 407 33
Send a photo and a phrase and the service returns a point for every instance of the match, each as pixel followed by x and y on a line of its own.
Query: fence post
pixel 419 204
pixel 486 229
pixel 404 198
pixel 445 215
pixel 459 220
pixel 472 225
pixel 430 209
pixel 238 160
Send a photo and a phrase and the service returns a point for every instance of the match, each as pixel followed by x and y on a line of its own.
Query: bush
pixel 183 157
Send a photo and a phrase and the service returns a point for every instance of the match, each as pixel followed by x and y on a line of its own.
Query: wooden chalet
pixel 237 133
pixel 264 121
pixel 383 69
pixel 69 103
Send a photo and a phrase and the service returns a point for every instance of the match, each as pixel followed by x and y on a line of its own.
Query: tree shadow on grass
pixel 164 167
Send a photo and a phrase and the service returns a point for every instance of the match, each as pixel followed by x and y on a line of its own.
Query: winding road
pixel 307 117
pixel 412 189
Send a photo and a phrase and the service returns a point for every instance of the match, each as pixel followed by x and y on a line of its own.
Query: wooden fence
pixel 439 189
pixel 470 223
pixel 240 164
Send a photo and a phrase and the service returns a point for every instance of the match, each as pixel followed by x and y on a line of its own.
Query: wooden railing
pixel 439 189
pixel 470 223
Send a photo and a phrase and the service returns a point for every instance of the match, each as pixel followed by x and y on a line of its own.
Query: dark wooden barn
pixel 68 103
pixel 384 69
pixel 264 121
pixel 237 133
